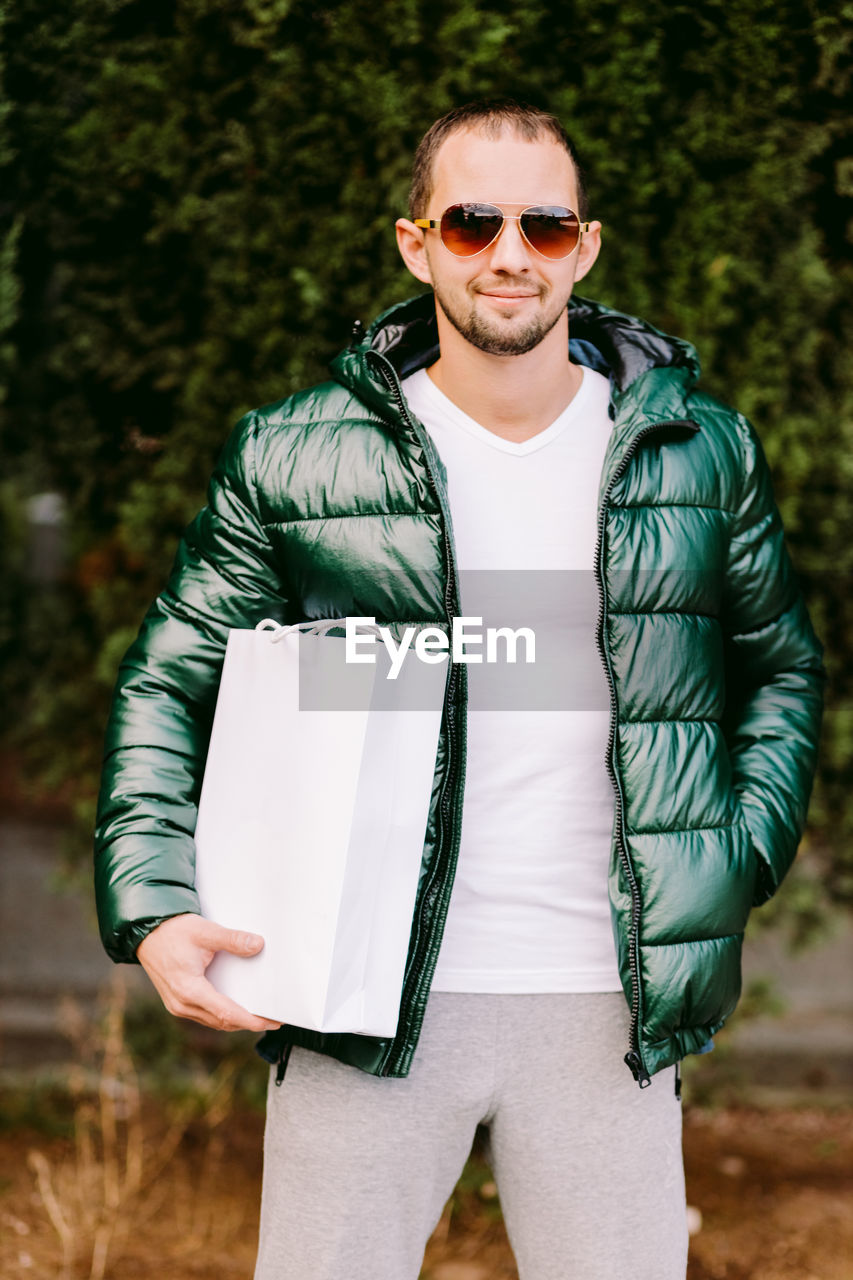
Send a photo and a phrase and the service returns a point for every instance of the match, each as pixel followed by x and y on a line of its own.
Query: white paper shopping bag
pixel 311 824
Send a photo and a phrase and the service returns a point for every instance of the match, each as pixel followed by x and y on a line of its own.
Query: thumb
pixel 236 941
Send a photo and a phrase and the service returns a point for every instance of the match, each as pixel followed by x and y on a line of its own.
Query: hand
pixel 175 956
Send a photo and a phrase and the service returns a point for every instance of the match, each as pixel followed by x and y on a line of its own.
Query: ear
pixel 411 241
pixel 589 250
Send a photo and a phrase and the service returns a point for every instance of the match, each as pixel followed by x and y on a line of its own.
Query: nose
pixel 510 252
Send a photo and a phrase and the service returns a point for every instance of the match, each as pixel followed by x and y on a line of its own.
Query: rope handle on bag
pixel 277 631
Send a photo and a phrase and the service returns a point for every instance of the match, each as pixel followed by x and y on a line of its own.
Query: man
pixel 609 851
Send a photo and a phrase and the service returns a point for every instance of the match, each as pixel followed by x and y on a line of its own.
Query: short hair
pixel 489 116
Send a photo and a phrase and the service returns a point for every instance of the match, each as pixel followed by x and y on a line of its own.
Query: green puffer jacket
pixel 333 503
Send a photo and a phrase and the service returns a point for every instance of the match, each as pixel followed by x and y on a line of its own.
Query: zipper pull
pixel 283 1059
pixel 638 1071
pixel 357 334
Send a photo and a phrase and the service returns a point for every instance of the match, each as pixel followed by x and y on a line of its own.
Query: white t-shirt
pixel 529 910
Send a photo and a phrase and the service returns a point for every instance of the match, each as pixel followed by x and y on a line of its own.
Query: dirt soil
pixel 770 1192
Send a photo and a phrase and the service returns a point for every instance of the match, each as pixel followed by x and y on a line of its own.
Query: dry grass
pixel 100 1194
pixel 167 1187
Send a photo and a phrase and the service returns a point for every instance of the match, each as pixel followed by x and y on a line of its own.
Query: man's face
pixel 508 298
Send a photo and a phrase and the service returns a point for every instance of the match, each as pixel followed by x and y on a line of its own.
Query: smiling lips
pixel 508 290
pixel 508 295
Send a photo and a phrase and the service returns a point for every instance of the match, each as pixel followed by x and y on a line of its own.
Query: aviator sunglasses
pixel 467 229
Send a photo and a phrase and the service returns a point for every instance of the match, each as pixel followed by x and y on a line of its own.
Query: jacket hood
pixel 620 346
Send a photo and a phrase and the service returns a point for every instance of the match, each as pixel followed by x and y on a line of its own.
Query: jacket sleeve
pixel 774 675
pixel 224 576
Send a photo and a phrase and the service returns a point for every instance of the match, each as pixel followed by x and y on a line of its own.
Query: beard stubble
pixel 490 338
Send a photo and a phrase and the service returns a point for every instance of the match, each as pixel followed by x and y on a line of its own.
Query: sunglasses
pixel 468 229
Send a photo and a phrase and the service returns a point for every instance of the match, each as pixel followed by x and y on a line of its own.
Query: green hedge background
pixel 197 199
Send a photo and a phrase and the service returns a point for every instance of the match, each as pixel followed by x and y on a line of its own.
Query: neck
pixel 516 397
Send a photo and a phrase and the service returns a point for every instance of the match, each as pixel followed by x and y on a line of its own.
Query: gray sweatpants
pixel 357 1169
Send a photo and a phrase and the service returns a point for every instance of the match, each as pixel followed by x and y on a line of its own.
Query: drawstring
pixel 678 1081
pixel 283 1059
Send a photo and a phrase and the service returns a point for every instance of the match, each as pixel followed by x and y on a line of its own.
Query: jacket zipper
pixel 281 1067
pixel 415 981
pixel 633 1058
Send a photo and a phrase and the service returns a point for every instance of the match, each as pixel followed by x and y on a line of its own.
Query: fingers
pixel 200 1002
pixel 220 938
pixel 175 956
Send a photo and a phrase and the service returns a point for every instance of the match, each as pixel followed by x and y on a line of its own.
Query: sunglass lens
pixel 552 230
pixel 467 229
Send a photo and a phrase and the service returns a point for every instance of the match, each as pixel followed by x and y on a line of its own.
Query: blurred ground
pixel 172 1187
pixel 773 1190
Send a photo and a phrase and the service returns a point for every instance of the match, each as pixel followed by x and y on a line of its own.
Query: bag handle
pixel 319 627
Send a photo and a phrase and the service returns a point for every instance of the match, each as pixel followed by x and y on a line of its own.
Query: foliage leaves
pixel 197 198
